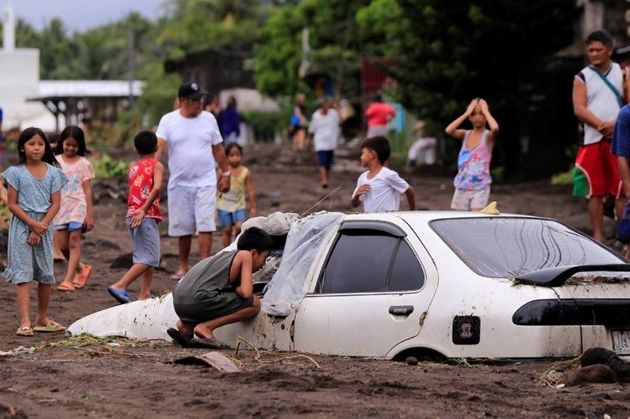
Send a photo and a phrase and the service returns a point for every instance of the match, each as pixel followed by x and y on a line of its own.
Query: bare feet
pixel 203 332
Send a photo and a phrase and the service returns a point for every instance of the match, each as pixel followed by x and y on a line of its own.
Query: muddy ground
pixel 54 377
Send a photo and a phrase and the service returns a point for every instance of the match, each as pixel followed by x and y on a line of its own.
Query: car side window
pixel 406 274
pixel 366 261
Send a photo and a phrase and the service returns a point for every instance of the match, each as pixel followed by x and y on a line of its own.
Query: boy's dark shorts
pixel 214 307
pixel 325 158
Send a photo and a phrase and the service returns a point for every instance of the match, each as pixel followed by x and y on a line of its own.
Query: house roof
pixel 57 89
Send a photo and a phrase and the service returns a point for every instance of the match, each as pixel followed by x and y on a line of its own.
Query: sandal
pixel 24 331
pixel 122 296
pixel 81 279
pixel 65 287
pixel 178 337
pixel 205 343
pixel 51 327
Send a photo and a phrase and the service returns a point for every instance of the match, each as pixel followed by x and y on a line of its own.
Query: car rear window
pixel 502 247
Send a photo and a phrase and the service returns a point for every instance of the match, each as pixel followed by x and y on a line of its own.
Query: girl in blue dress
pixel 34 197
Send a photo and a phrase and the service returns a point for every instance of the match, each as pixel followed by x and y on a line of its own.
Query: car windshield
pixel 503 247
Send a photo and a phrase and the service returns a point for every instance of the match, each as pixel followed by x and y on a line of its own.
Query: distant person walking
pixel 143 215
pixel 33 198
pixel 473 180
pixel 325 129
pixel 378 115
pixel 297 128
pixel 75 214
pixel 230 122
pixel 598 95
pixel 214 107
pixel 195 148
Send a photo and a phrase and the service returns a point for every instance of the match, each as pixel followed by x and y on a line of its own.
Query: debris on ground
pixel 214 359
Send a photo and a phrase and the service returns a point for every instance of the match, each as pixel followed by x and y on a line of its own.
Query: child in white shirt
pixel 379 188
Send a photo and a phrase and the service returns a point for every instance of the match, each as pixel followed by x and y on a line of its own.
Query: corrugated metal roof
pixel 87 88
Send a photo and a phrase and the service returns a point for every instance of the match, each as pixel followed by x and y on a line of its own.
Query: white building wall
pixel 20 80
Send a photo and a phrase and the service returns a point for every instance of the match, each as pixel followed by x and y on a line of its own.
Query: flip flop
pixel 177 275
pixel 81 279
pixel 65 287
pixel 51 327
pixel 122 296
pixel 204 343
pixel 24 331
pixel 178 338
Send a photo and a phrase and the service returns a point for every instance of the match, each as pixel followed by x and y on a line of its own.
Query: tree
pixel 445 52
pixel 197 25
pixel 334 46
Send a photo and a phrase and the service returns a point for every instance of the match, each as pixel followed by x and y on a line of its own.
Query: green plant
pixel 106 167
pixel 564 178
pixel 498 174
pixel 265 124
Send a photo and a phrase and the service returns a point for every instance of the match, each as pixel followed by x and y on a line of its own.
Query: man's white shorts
pixel 190 209
pixel 466 200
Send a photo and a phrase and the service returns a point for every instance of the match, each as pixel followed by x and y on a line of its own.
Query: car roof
pixel 426 216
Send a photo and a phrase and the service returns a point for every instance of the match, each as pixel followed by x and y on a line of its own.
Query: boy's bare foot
pixel 203 332
pixel 178 275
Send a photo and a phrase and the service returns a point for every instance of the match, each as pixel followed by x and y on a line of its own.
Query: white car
pixel 427 283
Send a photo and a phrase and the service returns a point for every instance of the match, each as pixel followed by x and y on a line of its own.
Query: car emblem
pixel 465 331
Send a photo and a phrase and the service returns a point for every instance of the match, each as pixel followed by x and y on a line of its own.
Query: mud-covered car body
pixel 449 283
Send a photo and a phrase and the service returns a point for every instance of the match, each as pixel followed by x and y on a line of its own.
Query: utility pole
pixel 130 48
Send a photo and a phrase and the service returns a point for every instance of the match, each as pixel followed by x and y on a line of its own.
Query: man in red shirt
pixel 378 115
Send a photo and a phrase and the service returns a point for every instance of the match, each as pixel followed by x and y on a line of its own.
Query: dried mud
pixel 60 378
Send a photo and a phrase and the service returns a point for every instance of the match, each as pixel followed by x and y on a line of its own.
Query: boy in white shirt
pixel 379 188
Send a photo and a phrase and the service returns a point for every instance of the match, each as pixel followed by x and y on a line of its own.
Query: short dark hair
pixel 600 36
pixel 254 238
pixel 231 146
pixel 380 145
pixel 145 142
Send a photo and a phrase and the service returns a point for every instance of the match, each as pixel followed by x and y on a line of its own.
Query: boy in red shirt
pixel 143 215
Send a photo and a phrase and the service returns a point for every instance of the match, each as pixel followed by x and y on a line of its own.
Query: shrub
pixel 106 167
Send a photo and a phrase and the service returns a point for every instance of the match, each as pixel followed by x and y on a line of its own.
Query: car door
pixel 371 293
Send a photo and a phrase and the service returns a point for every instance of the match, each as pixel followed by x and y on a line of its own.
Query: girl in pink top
pixel 472 183
pixel 75 213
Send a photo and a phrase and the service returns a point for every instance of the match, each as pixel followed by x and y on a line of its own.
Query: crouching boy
pixel 219 290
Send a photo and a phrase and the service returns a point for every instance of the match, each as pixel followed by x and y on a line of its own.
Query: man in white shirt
pixel 325 129
pixel 195 147
pixel 598 95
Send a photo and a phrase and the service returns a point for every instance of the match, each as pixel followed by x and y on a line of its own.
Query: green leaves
pixel 106 167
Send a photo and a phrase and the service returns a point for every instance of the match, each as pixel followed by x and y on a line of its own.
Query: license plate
pixel 621 341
